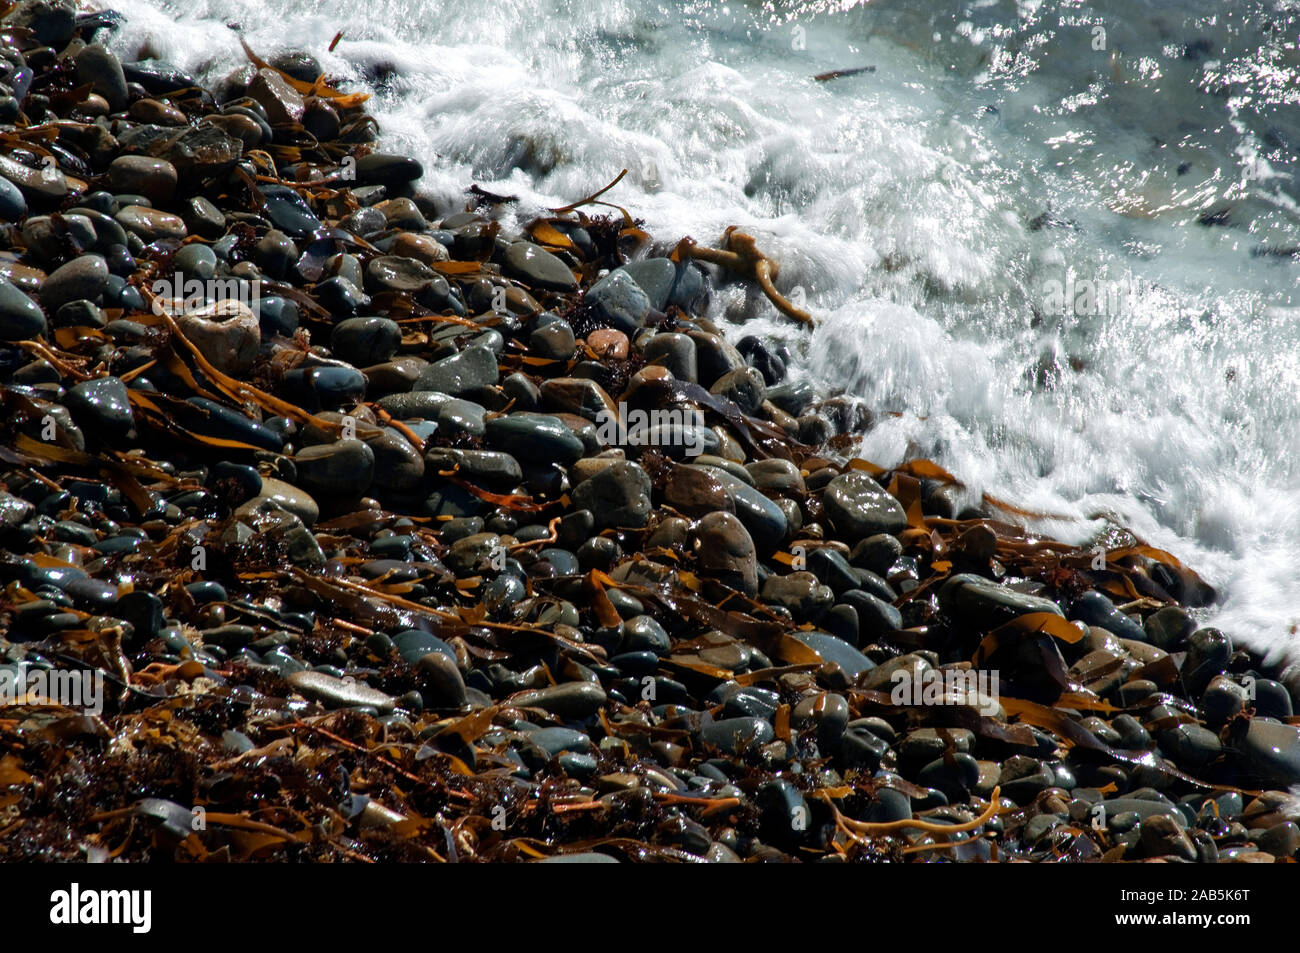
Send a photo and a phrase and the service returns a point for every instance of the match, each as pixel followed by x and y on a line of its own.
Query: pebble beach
pixel 379 528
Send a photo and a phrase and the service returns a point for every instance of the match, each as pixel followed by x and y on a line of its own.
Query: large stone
pixel 226 332
pixel 857 507
pixel 983 604
pixel 20 317
pixel 619 495
pixel 472 368
pixel 726 552
pixel 537 267
pixel 98 66
pixel 343 468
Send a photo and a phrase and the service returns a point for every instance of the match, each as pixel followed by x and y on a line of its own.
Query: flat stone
pixel 575 700
pixel 468 370
pixel 982 603
pixel 340 692
pixel 539 268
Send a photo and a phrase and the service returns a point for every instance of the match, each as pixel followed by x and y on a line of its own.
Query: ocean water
pixel 1049 243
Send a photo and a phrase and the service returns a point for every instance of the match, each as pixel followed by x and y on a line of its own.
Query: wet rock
pixel 227 333
pixel 468 370
pixel 857 507
pixel 537 267
pixel 20 317
pixel 575 700
pixel 343 468
pixel 983 603
pixel 81 278
pixel 101 407
pixel 726 552
pixel 339 692
pixel 102 70
pixel 535 437
pixel 365 341
pixel 617 301
pixel 618 495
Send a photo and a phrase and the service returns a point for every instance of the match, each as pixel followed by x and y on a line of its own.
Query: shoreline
pixel 363 491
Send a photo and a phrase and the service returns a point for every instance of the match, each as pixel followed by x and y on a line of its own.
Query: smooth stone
pixel 617 301
pixel 21 318
pixel 674 352
pixel 289 211
pixel 982 603
pixel 619 496
pixel 656 277
pixel 98 66
pixel 468 370
pixel 150 224
pixel 101 407
pixel 736 736
pixel 575 700
pixel 764 519
pixel 554 342
pixel 1095 609
pixel 800 593
pixel 81 278
pixel 394 171
pixel 726 551
pixel 283 496
pixel 217 420
pixel 365 341
pixel 535 437
pixel 343 468
pixel 441 681
pixel 744 387
pixel 579 396
pixel 338 692
pixel 1271 753
pixel 696 492
pixel 152 178
pixel 857 506
pixel 1208 652
pixel 538 267
pixel 13 207
pixel 832 649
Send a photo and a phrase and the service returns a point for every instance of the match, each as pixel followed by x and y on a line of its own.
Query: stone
pixel 726 552
pixel 344 468
pixel 537 267
pixel 857 506
pixel 468 370
pixel 283 103
pixel 150 224
pixel 153 178
pixel 21 318
pixel 535 437
pixel 1270 752
pixel 617 301
pixel 226 332
pixel 365 341
pixel 283 496
pixel 101 407
pixel 82 278
pixel 619 496
pixel 574 700
pixel 982 603
pixel 340 692
pixel 98 66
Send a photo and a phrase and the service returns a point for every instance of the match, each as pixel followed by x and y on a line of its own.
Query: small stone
pixel 283 103
pixel 150 224
pixel 101 407
pixel 576 700
pixel 726 551
pixel 365 341
pixel 343 468
pixel 98 66
pixel 617 301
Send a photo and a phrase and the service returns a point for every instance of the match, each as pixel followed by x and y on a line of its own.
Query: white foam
pixel 902 205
